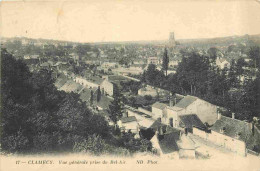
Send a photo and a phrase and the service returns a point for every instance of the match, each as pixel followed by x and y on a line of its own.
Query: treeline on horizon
pixel 37 118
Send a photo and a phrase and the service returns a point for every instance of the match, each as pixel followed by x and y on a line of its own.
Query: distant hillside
pixel 201 43
pixel 221 41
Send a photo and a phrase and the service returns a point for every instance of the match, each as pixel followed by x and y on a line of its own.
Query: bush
pixel 148 97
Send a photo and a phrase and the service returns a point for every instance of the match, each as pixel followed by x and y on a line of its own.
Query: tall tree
pixel 98 94
pixel 165 63
pixel 91 97
pixel 213 53
pixel 116 107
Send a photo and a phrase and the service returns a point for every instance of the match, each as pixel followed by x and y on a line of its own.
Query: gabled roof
pixel 94 79
pixel 85 95
pixel 186 101
pixel 233 127
pixel 156 125
pixel 175 108
pixel 168 142
pixel 138 65
pixel 104 102
pixel 146 123
pixel 192 120
pixel 60 82
pixel 71 86
pixel 159 105
pixel 128 119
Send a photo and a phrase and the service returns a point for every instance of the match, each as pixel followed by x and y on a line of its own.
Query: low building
pixel 139 67
pixel 129 124
pixel 205 111
pixel 107 87
pixel 159 110
pixel 222 63
pixel 103 103
pixel 188 122
pixel 85 95
pixel 31 56
pixel 89 82
pixel 153 60
pixel 232 134
pixel 153 91
pixel 60 81
pixel 109 65
pixel 71 86
pixel 165 142
pixel 173 63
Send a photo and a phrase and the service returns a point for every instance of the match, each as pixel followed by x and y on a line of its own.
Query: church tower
pixel 171 42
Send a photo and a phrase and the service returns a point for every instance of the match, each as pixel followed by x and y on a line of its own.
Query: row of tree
pixel 236 88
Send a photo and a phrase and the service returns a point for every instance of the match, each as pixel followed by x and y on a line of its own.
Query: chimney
pixel 252 127
pixel 186 131
pixel 219 116
pixel 171 103
pixel 166 129
pixel 125 114
pixel 161 130
pixel 233 115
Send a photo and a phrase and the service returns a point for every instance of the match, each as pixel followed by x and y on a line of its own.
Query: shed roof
pixel 159 105
pixel 85 95
pixel 168 142
pixel 104 102
pixel 191 120
pixel 233 127
pixel 71 86
pixel 186 101
pixel 128 119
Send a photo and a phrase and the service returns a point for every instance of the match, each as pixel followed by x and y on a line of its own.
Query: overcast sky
pixel 129 20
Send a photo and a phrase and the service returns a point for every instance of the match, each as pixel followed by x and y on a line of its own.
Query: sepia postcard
pixel 130 85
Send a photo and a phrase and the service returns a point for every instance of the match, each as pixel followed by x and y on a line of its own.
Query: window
pixel 171 122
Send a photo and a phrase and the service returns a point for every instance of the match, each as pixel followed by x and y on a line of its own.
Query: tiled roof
pixel 128 119
pixel 146 123
pixel 168 142
pixel 159 105
pixel 71 86
pixel 186 101
pixel 192 120
pixel 104 102
pixel 117 78
pixel 175 108
pixel 60 82
pixel 156 125
pixel 232 127
pixel 85 95
pixel 138 65
pixel 95 79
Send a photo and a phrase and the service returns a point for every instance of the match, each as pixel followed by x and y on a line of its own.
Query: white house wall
pixel 205 111
pixel 108 87
pixel 225 141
